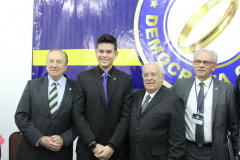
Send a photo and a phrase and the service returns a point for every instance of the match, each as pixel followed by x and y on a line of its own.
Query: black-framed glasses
pixel 198 62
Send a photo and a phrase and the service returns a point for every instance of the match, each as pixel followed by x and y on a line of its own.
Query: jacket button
pixel 103 127
pixel 104 110
pixel 52 119
pixel 137 129
pixel 137 141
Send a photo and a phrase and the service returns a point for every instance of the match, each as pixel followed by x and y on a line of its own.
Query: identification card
pixel 197 118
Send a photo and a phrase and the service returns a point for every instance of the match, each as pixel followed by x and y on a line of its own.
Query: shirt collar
pixel 206 82
pixel 152 94
pixel 102 72
pixel 60 81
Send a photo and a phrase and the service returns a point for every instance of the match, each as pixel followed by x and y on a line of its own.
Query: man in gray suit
pixel 157 126
pixel 210 111
pixel 44 114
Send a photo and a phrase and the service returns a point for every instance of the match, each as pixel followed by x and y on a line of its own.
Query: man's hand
pixel 104 153
pixel 49 144
pixel 236 158
pixel 57 139
pixel 97 148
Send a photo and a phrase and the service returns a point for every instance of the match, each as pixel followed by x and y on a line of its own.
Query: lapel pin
pixel 215 88
pixel 70 89
pixel 114 78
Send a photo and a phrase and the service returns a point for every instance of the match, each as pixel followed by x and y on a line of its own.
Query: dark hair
pixel 107 38
pixel 56 49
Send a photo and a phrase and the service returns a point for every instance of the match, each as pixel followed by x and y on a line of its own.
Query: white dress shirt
pixel 191 108
pixel 151 95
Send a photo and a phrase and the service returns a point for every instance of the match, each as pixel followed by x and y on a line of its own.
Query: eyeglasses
pixel 152 74
pixel 206 63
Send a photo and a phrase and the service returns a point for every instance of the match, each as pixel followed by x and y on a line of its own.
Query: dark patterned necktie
pixel 199 133
pixel 145 103
pixel 53 98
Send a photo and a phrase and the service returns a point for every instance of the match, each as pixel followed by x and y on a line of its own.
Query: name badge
pixel 197 118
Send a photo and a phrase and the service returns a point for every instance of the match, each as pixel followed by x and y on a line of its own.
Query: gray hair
pixel 215 55
pixel 160 67
pixel 56 49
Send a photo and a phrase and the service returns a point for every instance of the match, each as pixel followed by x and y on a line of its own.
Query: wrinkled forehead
pixel 204 55
pixel 56 55
pixel 151 67
pixel 151 72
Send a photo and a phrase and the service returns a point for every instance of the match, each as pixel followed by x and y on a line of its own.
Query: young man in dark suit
pixel 44 114
pixel 102 106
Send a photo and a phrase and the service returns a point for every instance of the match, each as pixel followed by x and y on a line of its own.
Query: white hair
pixel 160 67
pixel 215 55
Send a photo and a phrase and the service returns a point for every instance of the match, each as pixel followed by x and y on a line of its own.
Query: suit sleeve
pixel 238 92
pixel 79 112
pixel 173 88
pixel 121 129
pixel 23 118
pixel 69 136
pixel 233 120
pixel 177 138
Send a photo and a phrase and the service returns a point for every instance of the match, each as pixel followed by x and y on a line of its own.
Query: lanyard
pixel 199 106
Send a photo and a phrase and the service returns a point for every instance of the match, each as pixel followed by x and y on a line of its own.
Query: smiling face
pixel 56 64
pixel 202 71
pixel 106 54
pixel 152 77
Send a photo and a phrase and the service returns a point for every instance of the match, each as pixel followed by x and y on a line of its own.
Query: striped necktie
pixel 53 98
pixel 145 103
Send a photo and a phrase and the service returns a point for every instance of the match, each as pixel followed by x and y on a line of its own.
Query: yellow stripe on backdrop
pixel 81 57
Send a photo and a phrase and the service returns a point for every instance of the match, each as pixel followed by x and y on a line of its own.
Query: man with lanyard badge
pixel 210 111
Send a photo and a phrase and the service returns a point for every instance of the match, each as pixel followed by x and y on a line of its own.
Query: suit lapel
pixel 113 82
pixel 98 80
pixel 156 99
pixel 67 93
pixel 139 102
pixel 44 95
pixel 188 88
pixel 216 89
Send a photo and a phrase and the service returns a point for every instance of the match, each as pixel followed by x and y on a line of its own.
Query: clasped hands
pixel 102 152
pixel 53 143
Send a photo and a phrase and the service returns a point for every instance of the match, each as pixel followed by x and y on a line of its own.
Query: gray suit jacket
pixel 34 120
pixel 159 132
pixel 224 114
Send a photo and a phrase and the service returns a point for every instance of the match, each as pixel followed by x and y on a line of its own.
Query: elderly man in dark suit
pixel 157 127
pixel 44 114
pixel 102 106
pixel 210 111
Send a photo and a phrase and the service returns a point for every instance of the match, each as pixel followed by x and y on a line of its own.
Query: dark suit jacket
pixel 238 92
pixel 34 120
pixel 159 133
pixel 224 114
pixel 93 120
